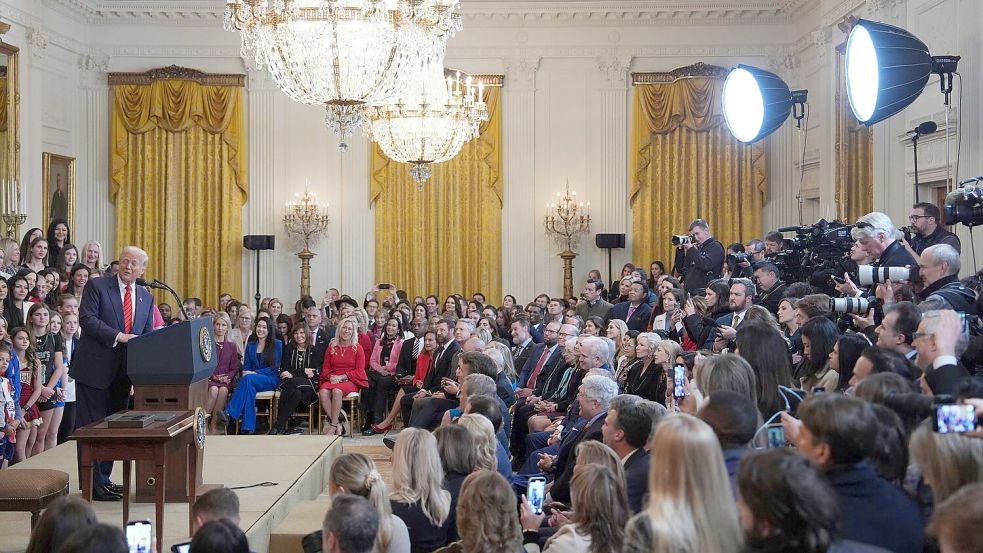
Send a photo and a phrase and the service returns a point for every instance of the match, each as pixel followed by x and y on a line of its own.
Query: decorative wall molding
pixel 177 72
pixel 698 69
pixel 37 38
pixel 614 72
pixel 522 73
pixel 93 68
pixel 479 13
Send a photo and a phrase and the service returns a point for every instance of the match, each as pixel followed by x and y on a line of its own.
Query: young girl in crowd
pixel 30 392
pixel 50 352
pixel 70 337
pixel 8 410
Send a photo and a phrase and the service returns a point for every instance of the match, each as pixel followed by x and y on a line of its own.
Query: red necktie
pixel 539 367
pixel 127 310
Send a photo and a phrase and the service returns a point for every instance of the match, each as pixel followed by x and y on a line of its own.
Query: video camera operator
pixel 702 256
pixel 774 242
pixel 925 218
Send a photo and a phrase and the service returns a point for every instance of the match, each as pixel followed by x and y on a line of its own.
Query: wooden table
pixel 153 443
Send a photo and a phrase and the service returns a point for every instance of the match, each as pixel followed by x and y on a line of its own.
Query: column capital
pixel 521 73
pixel 613 71
pixel 37 38
pixel 258 78
pixel 93 68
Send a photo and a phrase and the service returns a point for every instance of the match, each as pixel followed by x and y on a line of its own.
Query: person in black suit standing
pixel 626 430
pixel 636 311
pixel 596 392
pixel 113 311
pixel 703 258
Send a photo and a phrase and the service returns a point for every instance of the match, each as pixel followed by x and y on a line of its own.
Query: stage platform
pixel 297 464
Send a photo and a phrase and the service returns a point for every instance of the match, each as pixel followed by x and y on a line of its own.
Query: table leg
pixel 85 471
pixel 159 494
pixel 192 485
pixel 127 464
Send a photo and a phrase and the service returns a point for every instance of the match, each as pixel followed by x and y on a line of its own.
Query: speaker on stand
pixel 257 243
pixel 610 242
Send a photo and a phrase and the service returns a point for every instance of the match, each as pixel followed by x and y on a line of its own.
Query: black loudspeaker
pixel 609 240
pixel 259 241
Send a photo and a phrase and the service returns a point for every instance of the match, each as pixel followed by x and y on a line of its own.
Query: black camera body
pixel 964 205
pixel 820 247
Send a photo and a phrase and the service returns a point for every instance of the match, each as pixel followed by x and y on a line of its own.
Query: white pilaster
pixel 355 221
pixel 95 214
pixel 519 221
pixel 611 195
pixel 260 213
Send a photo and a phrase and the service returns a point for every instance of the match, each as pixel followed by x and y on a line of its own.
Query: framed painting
pixel 58 175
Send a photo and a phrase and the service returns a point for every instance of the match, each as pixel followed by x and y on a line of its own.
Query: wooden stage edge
pixel 298 465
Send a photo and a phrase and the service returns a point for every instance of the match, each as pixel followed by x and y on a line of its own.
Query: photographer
pixel 938 268
pixel 771 289
pixel 878 237
pixel 736 264
pixel 774 242
pixel 703 257
pixel 924 219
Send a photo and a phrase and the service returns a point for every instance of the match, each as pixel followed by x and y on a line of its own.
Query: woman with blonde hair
pixel 342 373
pixel 485 442
pixel 91 256
pixel 689 505
pixel 226 370
pixel 11 256
pixel 600 511
pixel 593 452
pixel 356 473
pixel 616 330
pixel 647 376
pixel 418 497
pixel 243 328
pixel 486 518
pixel 507 363
pixel 947 461
pixel 365 337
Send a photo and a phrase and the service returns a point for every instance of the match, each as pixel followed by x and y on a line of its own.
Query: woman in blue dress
pixel 260 365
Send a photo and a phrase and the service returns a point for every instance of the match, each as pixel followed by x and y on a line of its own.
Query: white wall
pixel 566 113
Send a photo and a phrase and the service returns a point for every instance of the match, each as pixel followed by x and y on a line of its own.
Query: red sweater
pixel 345 361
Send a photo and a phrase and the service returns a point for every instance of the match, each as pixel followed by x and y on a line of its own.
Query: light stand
pixel 258 296
pixel 945 67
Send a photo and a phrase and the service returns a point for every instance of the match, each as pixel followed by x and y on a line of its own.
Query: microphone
pixel 152 284
pixel 928 127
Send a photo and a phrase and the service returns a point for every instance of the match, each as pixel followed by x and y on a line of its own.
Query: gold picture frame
pixel 58 174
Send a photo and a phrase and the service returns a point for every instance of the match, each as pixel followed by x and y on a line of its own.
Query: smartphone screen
pixel 955 419
pixel 776 436
pixel 679 381
pixel 535 493
pixel 139 536
pixel 181 547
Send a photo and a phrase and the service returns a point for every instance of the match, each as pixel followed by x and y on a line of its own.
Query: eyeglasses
pixel 917 335
pixel 914 218
pixel 564 334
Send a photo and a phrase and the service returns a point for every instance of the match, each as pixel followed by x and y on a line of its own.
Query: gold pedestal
pixel 305 271
pixel 567 257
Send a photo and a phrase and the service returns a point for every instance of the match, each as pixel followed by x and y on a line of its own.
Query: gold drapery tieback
pixel 448 238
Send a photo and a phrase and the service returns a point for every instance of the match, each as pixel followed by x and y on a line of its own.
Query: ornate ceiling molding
pixel 478 13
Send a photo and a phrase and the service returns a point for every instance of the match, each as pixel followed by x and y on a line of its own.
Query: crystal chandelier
pixel 343 54
pixel 430 122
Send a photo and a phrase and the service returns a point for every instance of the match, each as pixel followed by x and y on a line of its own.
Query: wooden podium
pixel 169 369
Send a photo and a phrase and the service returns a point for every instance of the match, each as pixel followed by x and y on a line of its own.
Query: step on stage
pixel 298 464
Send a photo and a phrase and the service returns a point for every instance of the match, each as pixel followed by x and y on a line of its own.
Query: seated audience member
pixel 948 462
pixel 836 433
pixel 687 482
pixel 786 506
pixel 596 453
pixel 957 520
pixel 342 373
pixel 259 374
pixel 418 356
pixel 727 371
pixel 459 458
pixel 626 430
pixel 485 443
pixel 427 412
pixel 595 396
pixel 356 473
pixel 734 420
pixel 876 360
pixel 383 363
pixel 766 351
pixel 889 451
pixel 600 511
pixel 96 538
pixel 226 370
pixel 417 496
pixel 300 374
pixel 58 521
pixel 351 525
pixel 217 504
pixel 635 312
pixel 441 368
pixel 843 358
pixel 219 536
pixel 486 521
pixel 491 408
pixel 646 376
pixel 898 327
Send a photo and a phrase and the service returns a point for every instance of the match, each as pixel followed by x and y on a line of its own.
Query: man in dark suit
pixel 741 298
pixel 532 382
pixel 113 310
pixel 596 392
pixel 441 367
pixel 523 341
pixel 536 325
pixel 635 312
pixel 626 430
pixel 703 258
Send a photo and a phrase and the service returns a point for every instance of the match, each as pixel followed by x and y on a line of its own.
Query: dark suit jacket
pixel 637 478
pixel 702 264
pixel 407 365
pixel 519 361
pixel 444 367
pixel 639 319
pixel 536 331
pixel 895 255
pixel 770 300
pixel 526 370
pixel 567 459
pixel 96 363
pixel 726 320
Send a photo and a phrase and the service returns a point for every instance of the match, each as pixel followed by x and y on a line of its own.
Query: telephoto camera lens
pixel 849 305
pixel 738 257
pixel 681 239
pixel 868 274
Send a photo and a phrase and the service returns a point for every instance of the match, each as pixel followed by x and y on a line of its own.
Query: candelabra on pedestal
pixel 566 220
pixel 13 222
pixel 307 220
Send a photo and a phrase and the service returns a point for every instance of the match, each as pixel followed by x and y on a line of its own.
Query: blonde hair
pixel 622 328
pixel 418 475
pixel 98 269
pixel 486 519
pixel 361 320
pixel 353 342
pixel 484 335
pixel 685 508
pixel 593 452
pixel 600 505
pixel 224 317
pixel 357 474
pixel 673 348
pixel 485 443
pixel 947 461
pixel 509 363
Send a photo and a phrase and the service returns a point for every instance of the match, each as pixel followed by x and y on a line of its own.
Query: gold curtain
pixel 178 179
pixel 854 154
pixel 448 238
pixel 685 164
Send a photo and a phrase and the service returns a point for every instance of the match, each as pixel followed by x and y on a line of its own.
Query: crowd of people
pixel 715 407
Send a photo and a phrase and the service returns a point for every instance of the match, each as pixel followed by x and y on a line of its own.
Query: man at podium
pixel 113 310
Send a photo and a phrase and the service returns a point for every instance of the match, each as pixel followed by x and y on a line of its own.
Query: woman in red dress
pixel 343 373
